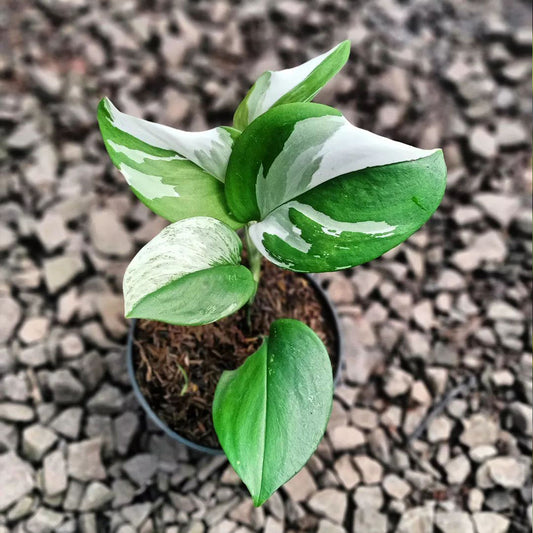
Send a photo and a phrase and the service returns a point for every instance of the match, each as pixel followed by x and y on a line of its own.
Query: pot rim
pixel 333 318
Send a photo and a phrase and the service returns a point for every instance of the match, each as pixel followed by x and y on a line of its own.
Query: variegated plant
pixel 313 193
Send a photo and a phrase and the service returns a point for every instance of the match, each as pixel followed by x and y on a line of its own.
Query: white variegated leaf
pixel 210 149
pixel 189 274
pixel 298 84
pixel 326 194
pixel 176 174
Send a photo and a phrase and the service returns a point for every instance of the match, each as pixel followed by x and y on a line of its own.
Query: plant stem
pixel 254 259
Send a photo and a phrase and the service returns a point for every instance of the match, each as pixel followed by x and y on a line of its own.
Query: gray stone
pixel 454 522
pixel 46 81
pixel 125 428
pixel 301 486
pixel 479 429
pixel 8 437
pixel 54 473
pixel 325 526
pixel 500 207
pixel 369 521
pixel 10 315
pixel 21 509
pixel 33 356
pixel 439 429
pixel 457 470
pixel 108 235
pixel 417 520
pixel 330 503
pixel 60 271
pixel 397 382
pixel 51 231
pixel 500 310
pixel 25 136
pixel 346 472
pixel 396 487
pixel 16 479
pixel 96 496
pixel 487 522
pixel 68 422
pixel 369 497
pixel 15 387
pixel 16 412
pixel 36 441
pixel 521 417
pixel 511 133
pixel 34 329
pixel 507 472
pixel 108 400
pixel 84 461
pixel 136 514
pixel 344 438
pixel 44 521
pixel 482 143
pixel 65 388
pixel 141 468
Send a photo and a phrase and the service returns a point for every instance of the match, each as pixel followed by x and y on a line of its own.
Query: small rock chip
pixel 65 388
pixel 301 486
pixel 369 521
pixel 454 522
pixel 486 522
pixel 479 429
pixel 10 315
pixel 95 497
pixel 371 471
pixel 36 441
pixel 457 470
pixel 396 487
pixel 439 429
pixel 108 400
pixel 141 468
pixel 44 521
pixel 60 271
pixel 499 207
pixel 507 472
pixel 51 231
pixel 84 460
pixel 346 472
pixel 136 514
pixel 344 438
pixel 482 143
pixel 125 427
pixel 369 497
pixel 54 473
pixel 68 422
pixel 397 382
pixel 325 526
pixel 417 519
pixel 16 479
pixel 108 235
pixel 34 329
pixel 16 412
pixel 330 503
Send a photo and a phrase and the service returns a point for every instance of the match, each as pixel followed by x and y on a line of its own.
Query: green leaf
pixel 189 274
pixel 328 195
pixel 271 413
pixel 176 174
pixel 298 84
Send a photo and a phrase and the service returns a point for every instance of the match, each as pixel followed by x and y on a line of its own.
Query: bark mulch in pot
pixel 178 367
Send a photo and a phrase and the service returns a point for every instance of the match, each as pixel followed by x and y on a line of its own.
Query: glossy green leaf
pixel 176 174
pixel 298 84
pixel 189 274
pixel 271 413
pixel 327 195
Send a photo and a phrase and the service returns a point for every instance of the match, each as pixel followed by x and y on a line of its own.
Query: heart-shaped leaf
pixel 328 195
pixel 176 174
pixel 189 274
pixel 298 84
pixel 271 413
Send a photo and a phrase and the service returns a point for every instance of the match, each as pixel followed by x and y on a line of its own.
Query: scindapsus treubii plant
pixel 313 193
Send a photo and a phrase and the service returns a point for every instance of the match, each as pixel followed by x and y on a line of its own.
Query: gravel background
pixel 431 428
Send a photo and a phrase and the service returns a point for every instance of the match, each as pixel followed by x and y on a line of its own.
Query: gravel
pixel 432 421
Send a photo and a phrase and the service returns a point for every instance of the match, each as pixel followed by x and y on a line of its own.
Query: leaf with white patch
pixel 298 84
pixel 176 174
pixel 189 274
pixel 328 195
pixel 271 412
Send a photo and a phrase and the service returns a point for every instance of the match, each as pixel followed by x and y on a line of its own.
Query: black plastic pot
pixel 332 318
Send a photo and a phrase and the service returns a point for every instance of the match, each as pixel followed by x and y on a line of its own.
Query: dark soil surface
pixel 178 367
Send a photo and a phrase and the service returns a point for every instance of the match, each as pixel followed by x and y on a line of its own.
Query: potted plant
pixel 310 193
